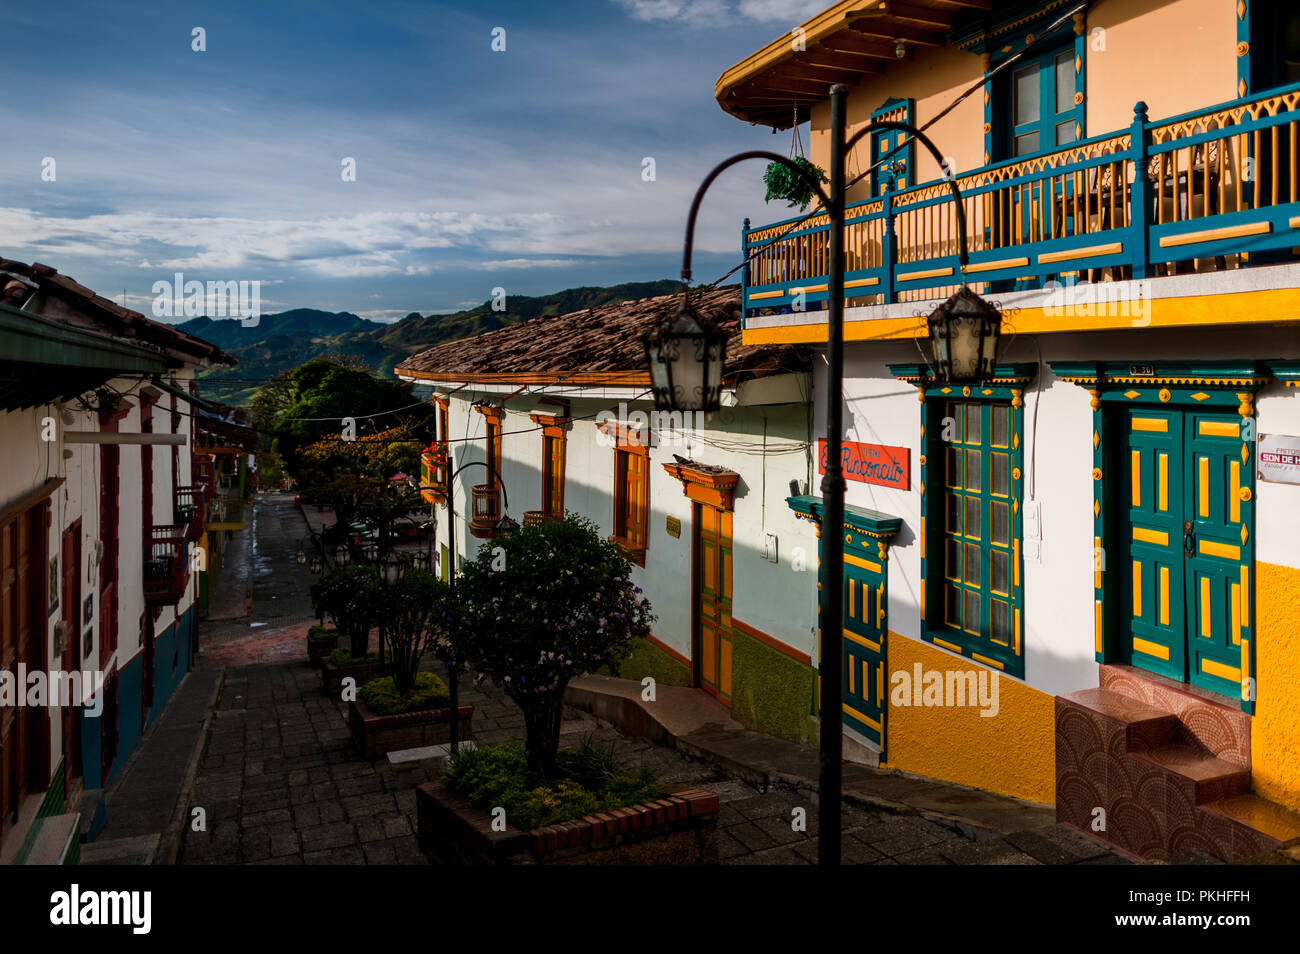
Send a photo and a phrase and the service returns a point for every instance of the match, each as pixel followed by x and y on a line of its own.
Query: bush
pixel 348 595
pixel 381 695
pixel 537 607
pixel 344 657
pixel 587 781
pixel 322 633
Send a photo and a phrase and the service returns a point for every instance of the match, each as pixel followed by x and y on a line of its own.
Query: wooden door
pixel 1188 546
pixel 712 598
pixel 71 553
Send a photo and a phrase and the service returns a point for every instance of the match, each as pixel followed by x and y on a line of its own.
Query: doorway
pixel 711 598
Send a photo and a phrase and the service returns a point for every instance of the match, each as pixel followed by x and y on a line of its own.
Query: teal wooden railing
pixel 1218 184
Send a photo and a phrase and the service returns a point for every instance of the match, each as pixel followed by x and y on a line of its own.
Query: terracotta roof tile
pixel 606 338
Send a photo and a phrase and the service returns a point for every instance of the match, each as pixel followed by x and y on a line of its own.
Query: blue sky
pixel 474 169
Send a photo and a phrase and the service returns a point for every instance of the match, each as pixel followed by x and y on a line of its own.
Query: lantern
pixel 686 356
pixel 343 556
pixel 964 333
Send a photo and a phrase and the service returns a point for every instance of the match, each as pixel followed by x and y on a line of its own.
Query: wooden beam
pixel 806 72
pixel 851 44
pixel 119 437
pixel 985 5
pixel 831 59
pixel 921 16
pixel 892 30
pixel 819 90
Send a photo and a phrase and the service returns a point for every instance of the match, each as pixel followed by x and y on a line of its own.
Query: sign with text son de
pixel 870 463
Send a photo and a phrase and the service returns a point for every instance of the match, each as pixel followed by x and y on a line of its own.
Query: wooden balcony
pixel 433 474
pixel 486 510
pixel 1215 189
pixel 191 509
pixel 166 564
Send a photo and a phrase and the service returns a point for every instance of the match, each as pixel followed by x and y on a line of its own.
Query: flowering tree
pixel 541 605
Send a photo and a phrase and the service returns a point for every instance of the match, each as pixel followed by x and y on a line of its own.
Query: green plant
pixel 344 657
pixel 416 611
pixel 381 695
pixel 587 781
pixel 535 608
pixel 784 183
pixel 322 633
pixel 348 596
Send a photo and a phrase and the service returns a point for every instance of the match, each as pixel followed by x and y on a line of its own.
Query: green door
pixel 1186 548
pixel 862 643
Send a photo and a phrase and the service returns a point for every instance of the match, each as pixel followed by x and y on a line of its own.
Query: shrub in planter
pixel 348 596
pixel 537 607
pixel 382 698
pixel 344 658
pixel 320 643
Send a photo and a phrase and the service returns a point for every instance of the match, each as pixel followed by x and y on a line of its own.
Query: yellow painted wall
pixel 1174 56
pixel 1013 753
pixel 1275 730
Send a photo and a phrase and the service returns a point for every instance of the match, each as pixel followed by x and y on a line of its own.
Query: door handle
pixel 1189 538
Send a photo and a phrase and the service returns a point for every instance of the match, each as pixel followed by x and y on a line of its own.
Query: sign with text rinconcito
pixel 870 463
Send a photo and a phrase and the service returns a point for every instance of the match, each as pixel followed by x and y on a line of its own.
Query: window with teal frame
pixel 971 490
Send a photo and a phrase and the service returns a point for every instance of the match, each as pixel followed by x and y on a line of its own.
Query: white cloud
pixel 504 263
pixel 721 12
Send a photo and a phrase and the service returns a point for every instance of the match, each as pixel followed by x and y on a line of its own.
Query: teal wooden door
pixel 1217 546
pixel 863 645
pixel 1153 565
pixel 1188 553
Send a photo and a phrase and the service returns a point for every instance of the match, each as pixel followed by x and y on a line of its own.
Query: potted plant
pixel 539 606
pixel 321 641
pixel 407 708
pixel 348 596
pixel 784 183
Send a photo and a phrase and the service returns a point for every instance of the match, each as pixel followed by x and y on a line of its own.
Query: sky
pixel 475 168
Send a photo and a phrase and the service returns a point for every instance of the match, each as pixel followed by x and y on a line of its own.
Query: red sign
pixel 870 463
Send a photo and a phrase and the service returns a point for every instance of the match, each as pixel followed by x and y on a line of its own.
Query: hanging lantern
pixel 301 557
pixel 315 564
pixel 506 526
pixel 343 556
pixel 686 355
pixel 421 561
pixel 392 566
pixel 964 334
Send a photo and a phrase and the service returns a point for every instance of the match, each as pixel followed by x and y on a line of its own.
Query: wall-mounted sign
pixel 1279 458
pixel 674 527
pixel 1141 371
pixel 870 463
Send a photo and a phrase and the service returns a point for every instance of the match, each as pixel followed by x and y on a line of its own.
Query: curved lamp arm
pixel 962 255
pixel 505 497
pixel 722 167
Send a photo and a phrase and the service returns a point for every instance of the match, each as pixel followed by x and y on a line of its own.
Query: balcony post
pixel 888 245
pixel 744 270
pixel 1140 194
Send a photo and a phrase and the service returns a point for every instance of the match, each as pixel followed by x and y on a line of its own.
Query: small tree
pixel 541 605
pixel 348 595
pixel 416 611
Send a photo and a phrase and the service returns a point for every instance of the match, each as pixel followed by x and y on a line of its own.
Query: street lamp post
pixel 962 323
pixel 504 525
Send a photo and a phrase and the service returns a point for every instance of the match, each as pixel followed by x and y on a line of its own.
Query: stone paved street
pixel 280 783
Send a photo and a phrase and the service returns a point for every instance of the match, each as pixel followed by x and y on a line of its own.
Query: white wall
pixel 769 597
pixel 1057 465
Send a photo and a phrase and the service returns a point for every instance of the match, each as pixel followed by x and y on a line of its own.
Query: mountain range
pixel 283 341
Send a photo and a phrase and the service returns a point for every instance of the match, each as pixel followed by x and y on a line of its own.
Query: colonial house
pixel 1110 528
pixel 101 513
pixel 554 415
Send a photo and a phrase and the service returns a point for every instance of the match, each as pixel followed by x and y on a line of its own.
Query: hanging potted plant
pixel 784 183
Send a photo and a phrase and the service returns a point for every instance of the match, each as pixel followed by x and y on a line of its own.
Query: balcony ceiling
pixel 847 43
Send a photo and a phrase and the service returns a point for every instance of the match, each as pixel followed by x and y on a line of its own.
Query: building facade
pixel 560 409
pixel 101 513
pixel 1107 530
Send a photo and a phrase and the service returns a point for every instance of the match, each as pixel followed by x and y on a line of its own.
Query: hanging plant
pixel 784 183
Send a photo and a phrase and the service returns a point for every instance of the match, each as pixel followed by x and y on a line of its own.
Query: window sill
pixel 1011 665
pixel 634 552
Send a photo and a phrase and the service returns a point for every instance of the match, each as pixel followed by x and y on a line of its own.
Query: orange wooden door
pixel 712 591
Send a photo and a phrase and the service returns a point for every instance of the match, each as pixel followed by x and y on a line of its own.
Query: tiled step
pixel 1144 726
pixel 1269 819
pixel 1201 777
pixel 1214 722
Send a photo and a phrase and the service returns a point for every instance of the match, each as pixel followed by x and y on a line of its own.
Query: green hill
pixel 283 341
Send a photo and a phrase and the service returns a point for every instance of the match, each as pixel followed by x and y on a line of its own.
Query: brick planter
pixel 332 676
pixel 318 650
pixel 678 829
pixel 376 735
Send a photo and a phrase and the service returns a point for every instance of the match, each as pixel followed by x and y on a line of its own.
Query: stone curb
pixel 172 842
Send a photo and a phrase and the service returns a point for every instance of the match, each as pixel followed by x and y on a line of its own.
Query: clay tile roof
pixel 605 340
pixel 130 324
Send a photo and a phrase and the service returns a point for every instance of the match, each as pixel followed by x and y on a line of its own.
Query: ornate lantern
pixel 686 355
pixel 964 334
